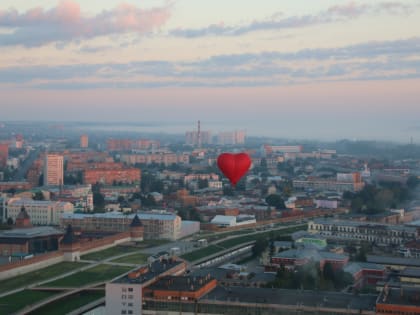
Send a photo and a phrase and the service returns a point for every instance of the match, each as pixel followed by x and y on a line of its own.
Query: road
pixel 24 167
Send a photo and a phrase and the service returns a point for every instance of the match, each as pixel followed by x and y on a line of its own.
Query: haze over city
pixel 297 69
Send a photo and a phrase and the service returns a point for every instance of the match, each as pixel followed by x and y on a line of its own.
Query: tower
pixel 54 170
pixel 199 135
pixel 136 229
pixel 70 245
pixel 84 141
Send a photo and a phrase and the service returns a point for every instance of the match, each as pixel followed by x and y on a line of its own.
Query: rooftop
pixel 399 261
pixel 37 231
pixel 149 272
pixel 118 215
pixel 406 296
pixel 293 297
pixel 186 283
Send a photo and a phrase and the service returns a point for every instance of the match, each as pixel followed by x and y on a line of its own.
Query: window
pixel 130 289
pixel 130 297
pixel 130 311
pixel 130 304
pixel 123 312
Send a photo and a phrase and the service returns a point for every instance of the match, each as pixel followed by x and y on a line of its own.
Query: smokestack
pixel 199 135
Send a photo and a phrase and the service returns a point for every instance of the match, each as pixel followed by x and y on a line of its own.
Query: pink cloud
pixel 66 22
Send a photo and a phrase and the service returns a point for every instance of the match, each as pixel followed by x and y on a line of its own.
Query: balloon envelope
pixel 234 166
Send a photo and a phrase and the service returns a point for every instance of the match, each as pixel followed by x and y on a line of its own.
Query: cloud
pixel 336 13
pixel 381 60
pixel 66 22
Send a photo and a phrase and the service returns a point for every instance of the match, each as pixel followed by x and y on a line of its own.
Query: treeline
pixel 373 199
pixel 311 277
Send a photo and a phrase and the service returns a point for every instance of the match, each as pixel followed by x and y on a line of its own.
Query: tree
pixel 38 196
pixel 98 200
pixel 227 190
pixel 276 201
pixel 328 272
pixel 259 246
pixel 203 183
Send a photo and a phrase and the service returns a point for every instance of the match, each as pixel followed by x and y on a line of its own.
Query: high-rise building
pixel 53 170
pixel 84 141
pixel 4 154
pixel 19 141
pixel 231 137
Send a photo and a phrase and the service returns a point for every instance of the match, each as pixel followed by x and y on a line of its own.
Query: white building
pixel 123 298
pixel 229 220
pixel 41 212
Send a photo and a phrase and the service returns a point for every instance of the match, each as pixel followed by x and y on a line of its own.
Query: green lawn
pixel 69 304
pixel 109 252
pixel 39 275
pixel 153 243
pixel 137 258
pixel 203 252
pixel 14 302
pixel 95 274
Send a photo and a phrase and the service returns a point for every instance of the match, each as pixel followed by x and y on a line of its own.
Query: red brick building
pixel 4 154
pixel 111 176
pixel 181 288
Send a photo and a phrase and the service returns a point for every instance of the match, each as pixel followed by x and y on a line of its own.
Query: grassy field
pixel 14 302
pixel 39 275
pixel 95 274
pixel 69 303
pixel 203 252
pixel 109 252
pixel 152 243
pixel 137 258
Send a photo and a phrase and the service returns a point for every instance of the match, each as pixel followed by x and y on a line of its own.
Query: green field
pixel 39 275
pixel 14 302
pixel 109 252
pixel 68 304
pixel 203 252
pixel 137 258
pixel 96 274
pixel 153 243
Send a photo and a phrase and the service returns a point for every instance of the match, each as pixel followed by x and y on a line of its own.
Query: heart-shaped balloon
pixel 234 166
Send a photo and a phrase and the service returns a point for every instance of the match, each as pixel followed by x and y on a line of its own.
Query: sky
pixel 291 69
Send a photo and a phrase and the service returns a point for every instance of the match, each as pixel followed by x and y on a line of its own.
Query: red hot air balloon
pixel 234 166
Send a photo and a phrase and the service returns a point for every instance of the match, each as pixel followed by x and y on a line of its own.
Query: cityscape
pixel 209 157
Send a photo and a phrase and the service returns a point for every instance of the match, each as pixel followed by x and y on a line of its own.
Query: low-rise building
pixel 41 212
pixel 382 234
pixel 156 225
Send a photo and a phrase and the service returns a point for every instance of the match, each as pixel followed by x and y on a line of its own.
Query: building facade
pixel 156 225
pixel 41 212
pixel 112 176
pixel 4 154
pixel 84 141
pixel 54 170
pixel 381 234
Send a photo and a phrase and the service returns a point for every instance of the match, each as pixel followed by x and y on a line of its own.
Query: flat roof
pixel 399 261
pixel 293 297
pixel 36 231
pixel 154 269
pixel 117 215
pixel 176 283
pixel 404 296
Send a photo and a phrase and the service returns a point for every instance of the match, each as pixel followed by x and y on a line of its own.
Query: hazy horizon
pixel 319 70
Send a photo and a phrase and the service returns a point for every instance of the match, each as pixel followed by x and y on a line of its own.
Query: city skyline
pixel 326 70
